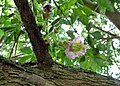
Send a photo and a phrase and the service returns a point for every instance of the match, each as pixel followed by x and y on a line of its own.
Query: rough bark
pixel 15 75
pixel 39 47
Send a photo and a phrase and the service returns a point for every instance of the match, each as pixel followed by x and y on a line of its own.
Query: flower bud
pixel 47 8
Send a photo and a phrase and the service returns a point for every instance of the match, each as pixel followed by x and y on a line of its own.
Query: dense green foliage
pixel 68 19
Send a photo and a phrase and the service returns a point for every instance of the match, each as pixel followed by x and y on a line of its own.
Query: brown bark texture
pixel 39 47
pixel 15 75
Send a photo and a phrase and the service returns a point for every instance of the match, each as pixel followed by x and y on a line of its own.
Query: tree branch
pixel 16 75
pixel 2 40
pixel 112 16
pixel 39 47
pixel 113 37
pixel 109 33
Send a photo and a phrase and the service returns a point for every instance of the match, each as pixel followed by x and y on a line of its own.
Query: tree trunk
pixel 39 47
pixel 58 75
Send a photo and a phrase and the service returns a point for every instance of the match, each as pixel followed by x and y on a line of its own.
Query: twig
pixel 2 41
pixel 114 35
pixel 16 48
pixel 14 44
pixel 17 55
pixel 64 16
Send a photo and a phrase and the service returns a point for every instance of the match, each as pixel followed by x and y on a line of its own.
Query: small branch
pixel 114 35
pixel 17 55
pixel 2 41
pixel 14 44
pixel 64 16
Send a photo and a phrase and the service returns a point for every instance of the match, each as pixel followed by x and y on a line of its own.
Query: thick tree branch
pixel 15 75
pixel 112 16
pixel 39 47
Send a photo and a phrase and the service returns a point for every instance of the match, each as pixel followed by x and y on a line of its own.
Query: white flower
pixel 76 48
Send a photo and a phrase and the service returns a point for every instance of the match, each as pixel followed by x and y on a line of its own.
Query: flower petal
pixel 79 39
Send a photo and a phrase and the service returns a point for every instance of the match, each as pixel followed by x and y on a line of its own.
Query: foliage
pixel 68 19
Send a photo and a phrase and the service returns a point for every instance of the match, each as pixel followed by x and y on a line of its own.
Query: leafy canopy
pixel 67 20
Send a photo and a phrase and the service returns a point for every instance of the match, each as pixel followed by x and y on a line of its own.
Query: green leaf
pixel 95 51
pixel 24 59
pixel 70 34
pixel 82 59
pixel 68 62
pixel 64 44
pixel 90 52
pixel 51 28
pixel 70 3
pixel 106 4
pixel 17 33
pixel 63 21
pixel 8 28
pixel 86 10
pixel 90 41
pixel 101 62
pixel 88 27
pixel 55 21
pixel 1 33
pixel 35 5
pixel 14 20
pixel 83 13
pixel 73 17
pixel 80 2
pixel 102 56
pixel 101 47
pixel 93 64
pixel 26 50
pixel 118 50
pixel 33 58
pixel 61 53
pixel 9 38
pixel 97 35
